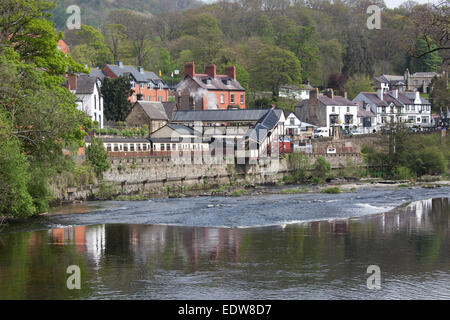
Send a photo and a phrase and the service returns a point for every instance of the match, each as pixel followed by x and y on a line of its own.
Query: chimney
pixel 210 70
pixel 395 92
pixel 380 94
pixel 345 95
pixel 330 93
pixel 189 69
pixel 314 94
pixel 231 72
pixel 417 95
pixel 120 64
pixel 73 82
pixel 141 70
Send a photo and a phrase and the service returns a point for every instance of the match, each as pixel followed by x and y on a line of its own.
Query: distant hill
pixel 94 12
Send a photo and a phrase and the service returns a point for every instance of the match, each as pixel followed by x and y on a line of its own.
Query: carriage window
pixel 116 147
pixel 108 147
pixel 132 147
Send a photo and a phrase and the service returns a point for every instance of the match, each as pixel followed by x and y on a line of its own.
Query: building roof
pixel 336 101
pixel 119 140
pixel 139 76
pixel 241 115
pixel 220 82
pixel 412 96
pixel 96 72
pixel 264 125
pixel 363 113
pixel 424 74
pixel 85 84
pixel 154 110
pixel 170 108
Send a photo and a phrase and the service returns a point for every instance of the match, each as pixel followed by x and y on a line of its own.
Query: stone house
pixel 152 114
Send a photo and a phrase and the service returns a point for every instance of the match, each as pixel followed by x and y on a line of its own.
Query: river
pixel 305 246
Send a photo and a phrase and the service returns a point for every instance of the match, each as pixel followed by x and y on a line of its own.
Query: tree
pixel 358 58
pixel 337 81
pixel 115 94
pixel 440 94
pixel 38 116
pixel 275 66
pixel 357 84
pixel 97 156
pixel 91 48
pixel 426 63
pixel 115 35
pixel 321 168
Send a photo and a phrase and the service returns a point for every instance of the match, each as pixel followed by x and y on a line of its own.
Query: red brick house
pixel 147 86
pixel 209 90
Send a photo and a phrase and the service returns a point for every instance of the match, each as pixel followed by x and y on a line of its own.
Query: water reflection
pixel 325 259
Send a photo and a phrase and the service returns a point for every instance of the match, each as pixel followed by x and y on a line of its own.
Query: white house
pixel 89 98
pixel 295 92
pixel 328 110
pixel 395 106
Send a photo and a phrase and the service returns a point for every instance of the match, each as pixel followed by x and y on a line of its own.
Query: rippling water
pixel 309 246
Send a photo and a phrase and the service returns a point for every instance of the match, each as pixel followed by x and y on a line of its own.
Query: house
pixel 367 120
pixel 152 114
pixel 295 92
pixel 88 92
pixel 396 106
pixel 327 110
pixel 209 91
pixel 419 81
pixel 147 86
pixel 63 47
pixel 265 137
pixel 176 137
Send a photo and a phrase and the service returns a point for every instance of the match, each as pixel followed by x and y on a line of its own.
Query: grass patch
pixel 295 190
pixel 331 190
pixel 238 193
pixel 403 186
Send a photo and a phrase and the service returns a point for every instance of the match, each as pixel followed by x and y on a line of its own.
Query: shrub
pixel 321 168
pixel 331 190
pixel 97 156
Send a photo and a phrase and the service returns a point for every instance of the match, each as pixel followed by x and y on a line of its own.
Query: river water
pixel 306 246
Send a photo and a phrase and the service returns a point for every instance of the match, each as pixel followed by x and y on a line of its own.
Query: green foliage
pixel 97 156
pixel 331 190
pixel 321 168
pixel 440 94
pixel 299 164
pixel 402 155
pixel 115 94
pixel 357 84
pixel 428 63
pixel 275 66
pixel 40 122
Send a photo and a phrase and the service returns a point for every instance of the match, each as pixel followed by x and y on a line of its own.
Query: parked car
pixel 321 132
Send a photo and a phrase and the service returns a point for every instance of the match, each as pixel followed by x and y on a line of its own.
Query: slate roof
pixel 154 110
pixel 241 115
pixel 217 83
pixel 264 125
pixel 96 72
pixel 85 84
pixel 363 113
pixel 412 96
pixel 145 76
pixel 336 101
pixel 120 140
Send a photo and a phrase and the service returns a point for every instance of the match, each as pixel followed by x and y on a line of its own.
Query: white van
pixel 321 132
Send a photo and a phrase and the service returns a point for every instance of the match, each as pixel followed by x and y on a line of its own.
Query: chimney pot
pixel 120 64
pixel 380 93
pixel 210 70
pixel 141 70
pixel 330 93
pixel 189 69
pixel 231 72
pixel 73 82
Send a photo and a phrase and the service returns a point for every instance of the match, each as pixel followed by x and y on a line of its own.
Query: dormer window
pixel 227 82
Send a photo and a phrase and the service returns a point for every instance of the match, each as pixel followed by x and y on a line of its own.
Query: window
pixel 132 147
pixel 425 120
pixel 168 147
pixel 139 147
pixel 149 98
pixel 95 116
pixel 125 147
pixel 348 109
pixel 292 121
pixel 242 98
pixel 100 120
pixel 232 99
pixel 222 98
pixel 162 146
pixel 116 147
pixel 333 109
pixel 108 147
pixel 133 85
pixel 160 99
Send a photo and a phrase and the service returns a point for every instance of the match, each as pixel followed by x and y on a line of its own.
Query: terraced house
pixel 397 106
pixel 147 86
pixel 209 90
